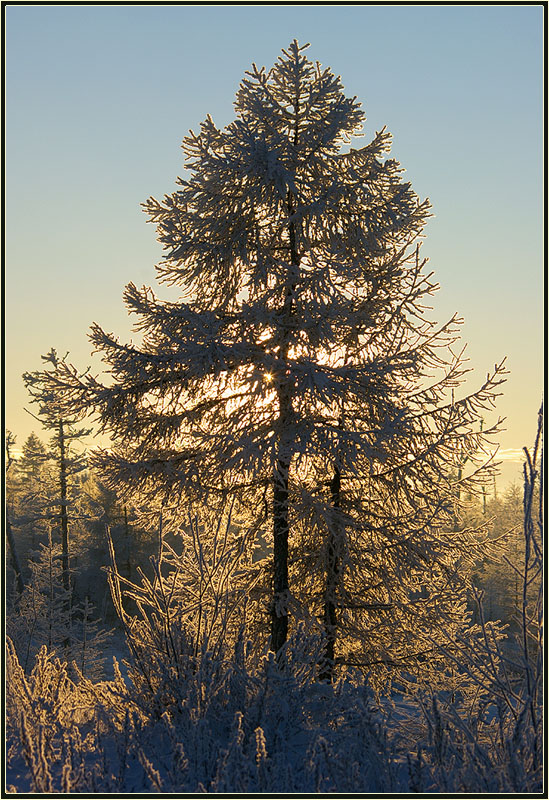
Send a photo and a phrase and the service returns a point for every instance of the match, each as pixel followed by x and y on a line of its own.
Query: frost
pixel 297 401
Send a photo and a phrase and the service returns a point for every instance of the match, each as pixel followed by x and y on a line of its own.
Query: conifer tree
pixel 46 615
pixel 36 492
pixel 298 371
pixel 34 458
pixel 14 554
pixel 65 434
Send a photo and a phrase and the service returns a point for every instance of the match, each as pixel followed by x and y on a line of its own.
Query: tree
pixel 499 573
pixel 299 366
pixel 34 497
pixel 32 462
pixel 14 554
pixel 65 434
pixel 46 615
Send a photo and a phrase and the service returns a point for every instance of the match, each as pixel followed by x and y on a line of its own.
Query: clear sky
pixel 98 99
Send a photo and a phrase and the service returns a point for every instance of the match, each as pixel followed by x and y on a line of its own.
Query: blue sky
pixel 98 99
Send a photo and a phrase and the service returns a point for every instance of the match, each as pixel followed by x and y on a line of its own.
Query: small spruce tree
pixel 34 499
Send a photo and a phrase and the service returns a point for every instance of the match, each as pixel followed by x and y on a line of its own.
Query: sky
pixel 98 99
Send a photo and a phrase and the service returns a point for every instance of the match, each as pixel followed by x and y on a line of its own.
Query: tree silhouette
pixel 298 371
pixel 62 424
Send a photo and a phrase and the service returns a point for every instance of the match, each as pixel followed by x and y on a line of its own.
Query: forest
pixel 291 569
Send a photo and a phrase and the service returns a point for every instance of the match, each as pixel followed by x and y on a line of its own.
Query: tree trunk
pixel 333 570
pixel 279 619
pixel 14 556
pixel 64 515
pixel 65 560
pixel 281 528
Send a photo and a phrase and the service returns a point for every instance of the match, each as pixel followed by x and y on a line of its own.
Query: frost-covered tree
pixel 35 494
pixel 68 463
pixel 46 615
pixel 31 465
pixel 13 549
pixel 298 371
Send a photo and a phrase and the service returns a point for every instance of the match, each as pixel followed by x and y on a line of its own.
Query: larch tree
pixel 68 463
pixel 14 554
pixel 298 371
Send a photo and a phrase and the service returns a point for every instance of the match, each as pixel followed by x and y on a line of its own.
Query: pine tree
pixel 298 371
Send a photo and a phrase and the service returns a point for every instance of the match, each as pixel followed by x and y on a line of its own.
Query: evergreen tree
pixel 33 461
pixel 298 372
pixel 46 615
pixel 35 498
